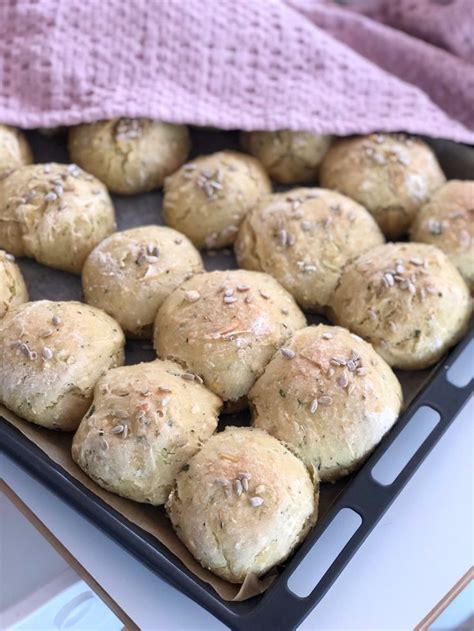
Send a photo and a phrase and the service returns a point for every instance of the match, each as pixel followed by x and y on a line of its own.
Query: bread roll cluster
pixel 304 238
pixel 392 175
pixel 54 213
pixel 407 299
pixel 209 196
pixel 14 150
pixel 231 509
pixel 130 274
pixel 321 397
pixel 129 155
pixel 145 423
pixel 224 327
pixel 52 355
pixel 289 157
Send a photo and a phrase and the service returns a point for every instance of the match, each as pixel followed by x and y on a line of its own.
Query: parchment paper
pixel 52 284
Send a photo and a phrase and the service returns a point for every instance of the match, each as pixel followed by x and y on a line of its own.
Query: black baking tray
pixel 278 608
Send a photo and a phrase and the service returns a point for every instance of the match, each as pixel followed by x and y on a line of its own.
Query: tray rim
pixel 277 606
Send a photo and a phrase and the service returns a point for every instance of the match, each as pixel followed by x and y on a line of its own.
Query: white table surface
pixel 418 551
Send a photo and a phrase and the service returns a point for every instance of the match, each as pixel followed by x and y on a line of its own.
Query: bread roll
pixel 51 356
pixel 208 197
pixel 243 503
pixel 54 213
pixel 447 221
pixel 407 299
pixel 304 238
pixel 329 396
pixel 225 327
pixel 144 424
pixel 13 290
pixel 392 175
pixel 129 155
pixel 289 157
pixel 130 273
pixel 14 150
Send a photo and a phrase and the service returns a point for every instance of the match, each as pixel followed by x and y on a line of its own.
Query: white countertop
pixel 418 551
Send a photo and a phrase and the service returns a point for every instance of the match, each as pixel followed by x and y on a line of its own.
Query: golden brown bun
pixel 289 157
pixel 329 396
pixel 447 221
pixel 14 150
pixel 54 213
pixel 13 291
pixel 145 423
pixel 407 299
pixel 392 175
pixel 51 356
pixel 304 238
pixel 209 196
pixel 129 155
pixel 243 503
pixel 225 327
pixel 130 273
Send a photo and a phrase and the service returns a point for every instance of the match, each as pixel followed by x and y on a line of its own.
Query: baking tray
pixel 278 607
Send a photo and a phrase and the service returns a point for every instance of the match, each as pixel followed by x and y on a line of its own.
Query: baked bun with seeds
pixel 13 290
pixel 243 503
pixel 129 155
pixel 54 213
pixel 289 157
pixel 304 238
pixel 447 221
pixel 407 299
pixel 145 423
pixel 14 150
pixel 51 356
pixel 209 196
pixel 224 327
pixel 392 175
pixel 329 396
pixel 130 273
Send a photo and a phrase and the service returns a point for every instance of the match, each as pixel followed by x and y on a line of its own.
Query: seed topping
pixel 222 482
pixel 325 400
pixel 47 353
pixel 192 295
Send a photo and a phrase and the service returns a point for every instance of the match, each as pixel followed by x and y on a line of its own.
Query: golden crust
pixel 130 273
pixel 144 424
pixel 447 221
pixel 129 155
pixel 331 399
pixel 14 150
pixel 304 238
pixel 13 291
pixel 225 326
pixel 391 175
pixel 231 510
pixel 54 213
pixel 52 354
pixel 407 299
pixel 289 157
pixel 209 196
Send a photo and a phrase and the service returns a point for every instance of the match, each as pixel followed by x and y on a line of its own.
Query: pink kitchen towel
pixel 332 67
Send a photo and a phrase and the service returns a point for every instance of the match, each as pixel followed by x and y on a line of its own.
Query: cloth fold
pixel 317 65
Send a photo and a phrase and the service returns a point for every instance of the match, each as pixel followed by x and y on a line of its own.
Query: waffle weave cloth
pixel 332 67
